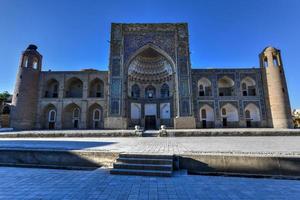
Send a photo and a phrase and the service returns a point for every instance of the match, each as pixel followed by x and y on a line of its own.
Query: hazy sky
pixel 74 34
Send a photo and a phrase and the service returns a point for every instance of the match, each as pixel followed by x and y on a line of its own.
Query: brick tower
pixel 25 97
pixel 275 88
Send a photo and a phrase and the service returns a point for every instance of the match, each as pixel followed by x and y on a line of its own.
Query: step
pixel 150 133
pixel 146 156
pixel 143 166
pixel 141 172
pixel 145 161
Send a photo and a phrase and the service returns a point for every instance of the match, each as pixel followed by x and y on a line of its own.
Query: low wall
pixel 70 133
pixel 241 165
pixel 56 158
pixel 232 132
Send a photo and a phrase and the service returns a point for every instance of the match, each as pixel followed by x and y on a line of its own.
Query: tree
pixel 4 96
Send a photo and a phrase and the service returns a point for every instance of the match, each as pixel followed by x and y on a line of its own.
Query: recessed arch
pixel 96 88
pixel 49 116
pixel 229 112
pixel 95 116
pixel 248 86
pixel 206 112
pixel 206 116
pixel 204 87
pixel 149 66
pixel 226 86
pixel 154 47
pixel 253 112
pixel 71 116
pixel 74 88
pixel 51 88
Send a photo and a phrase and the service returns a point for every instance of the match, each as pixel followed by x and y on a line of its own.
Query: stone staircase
pixel 150 133
pixel 143 165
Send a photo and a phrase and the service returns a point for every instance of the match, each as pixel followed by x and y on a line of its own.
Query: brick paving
pixel 37 184
pixel 271 145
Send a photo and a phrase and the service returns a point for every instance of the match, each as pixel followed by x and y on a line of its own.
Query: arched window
pixel 265 62
pixel 76 117
pixel 51 119
pixel 203 114
pixel 164 91
pixel 244 89
pixel 201 90
pixel 97 115
pixel 35 64
pixel 223 111
pixel 25 61
pixel 96 118
pixel 135 91
pixel 52 116
pixel 247 114
pixel 76 113
pixel 150 92
pixel 275 61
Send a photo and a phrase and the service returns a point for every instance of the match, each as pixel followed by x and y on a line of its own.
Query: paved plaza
pixel 37 184
pixel 271 145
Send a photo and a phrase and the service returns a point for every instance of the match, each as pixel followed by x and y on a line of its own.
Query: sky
pixel 74 34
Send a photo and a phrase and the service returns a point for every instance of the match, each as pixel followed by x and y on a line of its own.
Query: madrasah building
pixel 150 82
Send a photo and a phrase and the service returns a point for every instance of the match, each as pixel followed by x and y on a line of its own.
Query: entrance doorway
pixel 248 123
pixel 224 122
pixel 150 122
pixel 51 125
pixel 204 125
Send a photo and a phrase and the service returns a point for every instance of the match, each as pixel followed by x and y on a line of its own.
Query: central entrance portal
pixel 150 122
pixel 150 87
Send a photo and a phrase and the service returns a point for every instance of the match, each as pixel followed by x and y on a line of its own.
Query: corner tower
pixel 275 88
pixel 25 97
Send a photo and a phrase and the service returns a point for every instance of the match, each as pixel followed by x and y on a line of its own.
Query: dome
pixel 150 67
pixel 270 48
pixel 32 47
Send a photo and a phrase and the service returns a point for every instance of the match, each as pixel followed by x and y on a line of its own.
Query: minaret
pixel 25 97
pixel 278 107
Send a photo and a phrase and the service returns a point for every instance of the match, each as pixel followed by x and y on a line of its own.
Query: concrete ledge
pixel 232 132
pixel 70 133
pixel 56 158
pixel 241 165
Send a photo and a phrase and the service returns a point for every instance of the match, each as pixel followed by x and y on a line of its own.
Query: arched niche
pixel 248 86
pixel 226 86
pixel 74 88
